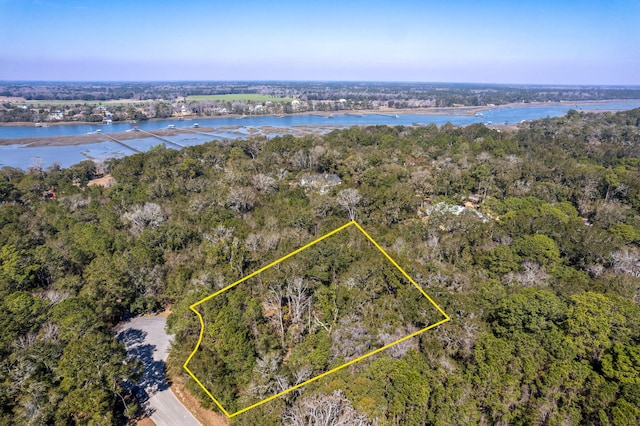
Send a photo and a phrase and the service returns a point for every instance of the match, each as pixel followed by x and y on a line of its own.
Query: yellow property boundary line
pixel 353 361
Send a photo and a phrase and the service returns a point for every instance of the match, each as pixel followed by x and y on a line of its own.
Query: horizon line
pixel 577 85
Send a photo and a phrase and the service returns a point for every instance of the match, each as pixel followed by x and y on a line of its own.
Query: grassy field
pixel 239 97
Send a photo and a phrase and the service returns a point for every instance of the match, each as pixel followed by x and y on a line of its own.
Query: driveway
pixel 146 339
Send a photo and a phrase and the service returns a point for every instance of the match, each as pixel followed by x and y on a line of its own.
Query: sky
pixel 490 41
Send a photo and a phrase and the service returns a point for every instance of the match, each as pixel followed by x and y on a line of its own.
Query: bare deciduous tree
pixel 271 241
pixel 350 339
pixel 315 154
pixel 626 261
pixel 282 173
pixel 608 213
pixel 298 301
pixel 24 342
pixel 281 383
pixel 55 296
pixel 273 309
pixel 265 372
pixel 422 181
pixel 261 242
pixel 299 159
pixel 50 332
pixel 586 200
pixel 348 199
pixel 302 374
pixel 264 183
pixel 326 410
pixel 253 242
pixel 75 201
pixel 241 199
pixel 150 214
pixel 398 350
pixel 532 275
pixel 297 297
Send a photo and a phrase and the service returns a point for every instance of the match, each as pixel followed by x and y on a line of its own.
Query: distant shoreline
pixel 87 139
pixel 455 110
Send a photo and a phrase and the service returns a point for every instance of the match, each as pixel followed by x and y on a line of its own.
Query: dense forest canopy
pixel 528 239
pixel 320 309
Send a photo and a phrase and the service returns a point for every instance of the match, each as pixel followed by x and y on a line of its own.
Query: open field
pixel 239 97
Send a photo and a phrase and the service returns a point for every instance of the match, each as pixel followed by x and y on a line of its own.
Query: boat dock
pixel 132 148
pixel 161 138
pixel 388 115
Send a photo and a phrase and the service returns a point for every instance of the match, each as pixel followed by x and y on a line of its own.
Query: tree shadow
pixel 131 337
pixel 153 378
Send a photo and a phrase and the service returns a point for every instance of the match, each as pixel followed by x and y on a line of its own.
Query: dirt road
pixel 146 339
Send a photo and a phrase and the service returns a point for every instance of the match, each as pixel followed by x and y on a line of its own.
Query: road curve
pixel 146 339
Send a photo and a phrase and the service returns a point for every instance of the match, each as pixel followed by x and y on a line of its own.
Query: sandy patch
pixel 145 422
pixel 105 181
pixel 204 416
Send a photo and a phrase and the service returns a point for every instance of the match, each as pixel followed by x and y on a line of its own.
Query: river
pixel 19 155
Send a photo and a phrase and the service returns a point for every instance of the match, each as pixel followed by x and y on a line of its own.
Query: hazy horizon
pixel 493 42
pixel 301 81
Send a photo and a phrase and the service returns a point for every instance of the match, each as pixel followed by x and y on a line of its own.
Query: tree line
pixel 462 93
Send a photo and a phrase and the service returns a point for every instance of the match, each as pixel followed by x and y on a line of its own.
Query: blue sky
pixel 514 41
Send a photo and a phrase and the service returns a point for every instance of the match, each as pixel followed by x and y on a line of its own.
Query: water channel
pixel 21 155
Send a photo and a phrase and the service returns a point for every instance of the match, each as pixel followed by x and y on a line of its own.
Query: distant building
pixel 56 115
pixel 446 208
pixel 320 182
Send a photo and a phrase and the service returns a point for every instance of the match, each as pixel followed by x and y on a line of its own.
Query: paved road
pixel 146 339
